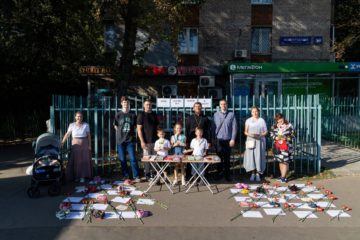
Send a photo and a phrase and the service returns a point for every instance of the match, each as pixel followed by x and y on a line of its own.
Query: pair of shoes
pixel 252 178
pixel 82 180
pixel 143 179
pixel 175 182
pixel 257 178
pixel 136 180
pixel 282 180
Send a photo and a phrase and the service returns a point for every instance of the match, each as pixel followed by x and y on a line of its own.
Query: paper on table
pixel 75 215
pixel 242 199
pixel 145 201
pixel 302 214
pixel 153 157
pixel 120 199
pixel 73 199
pixel 316 195
pixel 274 211
pixel 99 206
pixel 334 213
pixel 77 207
pixel 252 214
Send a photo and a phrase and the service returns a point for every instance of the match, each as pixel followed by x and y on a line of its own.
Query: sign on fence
pixel 182 102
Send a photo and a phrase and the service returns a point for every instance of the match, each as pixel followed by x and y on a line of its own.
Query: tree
pixel 347 25
pixel 160 19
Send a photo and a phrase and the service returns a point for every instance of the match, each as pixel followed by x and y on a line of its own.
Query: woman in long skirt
pixel 254 156
pixel 79 165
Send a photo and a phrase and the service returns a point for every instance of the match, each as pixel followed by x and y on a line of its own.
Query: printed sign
pixel 181 102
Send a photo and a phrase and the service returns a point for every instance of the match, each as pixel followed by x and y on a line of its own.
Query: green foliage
pixel 347 24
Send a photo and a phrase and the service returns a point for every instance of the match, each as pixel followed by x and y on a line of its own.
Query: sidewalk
pixel 196 215
pixel 340 160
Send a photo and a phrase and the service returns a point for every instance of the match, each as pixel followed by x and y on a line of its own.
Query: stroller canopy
pixel 47 143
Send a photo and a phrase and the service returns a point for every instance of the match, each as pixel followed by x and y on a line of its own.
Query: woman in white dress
pixel 254 156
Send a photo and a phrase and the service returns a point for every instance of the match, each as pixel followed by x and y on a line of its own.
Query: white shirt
pixel 79 131
pixel 199 147
pixel 161 144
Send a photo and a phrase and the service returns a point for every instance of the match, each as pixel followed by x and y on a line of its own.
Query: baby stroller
pixel 47 167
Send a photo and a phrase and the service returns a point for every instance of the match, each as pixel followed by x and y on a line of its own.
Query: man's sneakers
pixel 282 179
pixel 257 178
pixel 136 180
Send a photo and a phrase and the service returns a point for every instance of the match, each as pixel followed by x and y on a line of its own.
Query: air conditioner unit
pixel 240 53
pixel 215 93
pixel 207 81
pixel 169 90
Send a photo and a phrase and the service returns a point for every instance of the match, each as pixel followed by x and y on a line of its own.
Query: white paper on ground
pixel 281 189
pixel 274 211
pixel 309 189
pixel 316 195
pixel 333 213
pixel 258 195
pixel 302 214
pixel 242 199
pixel 136 193
pixel 252 214
pixel 253 186
pixel 80 189
pixel 112 192
pixel 129 188
pixel 234 190
pixel 305 206
pixel 300 185
pixel 271 192
pixel 145 201
pixel 106 186
pixel 291 196
pixel 325 204
pixel 73 199
pixel 279 200
pixel 118 182
pixel 75 215
pixel 99 206
pixel 120 199
pixel 93 195
pixel 77 207
pixel 264 204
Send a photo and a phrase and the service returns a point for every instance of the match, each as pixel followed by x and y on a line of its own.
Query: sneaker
pixel 279 179
pixel 175 182
pixel 252 178
pixel 136 180
pixel 284 180
pixel 82 180
pixel 183 182
pixel 257 178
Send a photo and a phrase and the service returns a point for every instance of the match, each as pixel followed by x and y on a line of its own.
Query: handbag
pixel 250 144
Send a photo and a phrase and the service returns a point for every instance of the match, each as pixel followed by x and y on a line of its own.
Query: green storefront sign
pixel 293 67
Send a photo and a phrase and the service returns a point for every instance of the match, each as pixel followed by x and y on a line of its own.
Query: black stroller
pixel 47 167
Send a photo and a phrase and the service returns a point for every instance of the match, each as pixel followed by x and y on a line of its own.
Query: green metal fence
pixel 304 112
pixel 341 122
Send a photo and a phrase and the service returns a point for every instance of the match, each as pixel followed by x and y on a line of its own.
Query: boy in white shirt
pixel 162 145
pixel 198 147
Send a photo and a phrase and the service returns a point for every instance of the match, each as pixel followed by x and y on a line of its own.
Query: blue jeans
pixel 129 147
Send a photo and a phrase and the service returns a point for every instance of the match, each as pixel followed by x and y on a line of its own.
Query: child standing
pixel 162 145
pixel 199 147
pixel 178 142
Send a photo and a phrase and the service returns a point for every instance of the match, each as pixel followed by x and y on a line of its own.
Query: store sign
pixel 175 70
pixel 182 102
pixel 293 67
pixel 300 40
pixel 95 70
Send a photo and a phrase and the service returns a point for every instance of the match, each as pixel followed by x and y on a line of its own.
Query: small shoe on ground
pixel 144 179
pixel 257 178
pixel 252 178
pixel 282 180
pixel 183 182
pixel 175 182
pixel 136 180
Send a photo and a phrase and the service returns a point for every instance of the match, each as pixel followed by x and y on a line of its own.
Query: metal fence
pixel 304 112
pixel 341 122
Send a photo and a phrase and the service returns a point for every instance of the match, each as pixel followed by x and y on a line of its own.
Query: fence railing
pixel 341 120
pixel 304 112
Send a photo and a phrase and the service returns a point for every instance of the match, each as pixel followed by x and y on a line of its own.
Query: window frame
pixel 187 30
pixel 259 2
pixel 269 52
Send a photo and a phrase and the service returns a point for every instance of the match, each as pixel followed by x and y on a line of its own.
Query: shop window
pixel 261 40
pixel 261 1
pixel 188 41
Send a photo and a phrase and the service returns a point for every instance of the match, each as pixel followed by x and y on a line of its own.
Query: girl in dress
pixel 178 142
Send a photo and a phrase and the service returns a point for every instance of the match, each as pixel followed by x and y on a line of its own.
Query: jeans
pixel 223 151
pixel 129 147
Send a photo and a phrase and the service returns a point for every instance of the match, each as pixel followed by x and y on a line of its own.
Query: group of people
pixel 201 134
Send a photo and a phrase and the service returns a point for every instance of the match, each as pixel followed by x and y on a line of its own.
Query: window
pixel 188 41
pixel 261 1
pixel 260 41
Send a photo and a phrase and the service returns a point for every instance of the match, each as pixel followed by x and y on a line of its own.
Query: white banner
pixel 181 102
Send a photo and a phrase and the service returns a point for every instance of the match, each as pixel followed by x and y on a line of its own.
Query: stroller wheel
pixel 33 192
pixel 54 190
